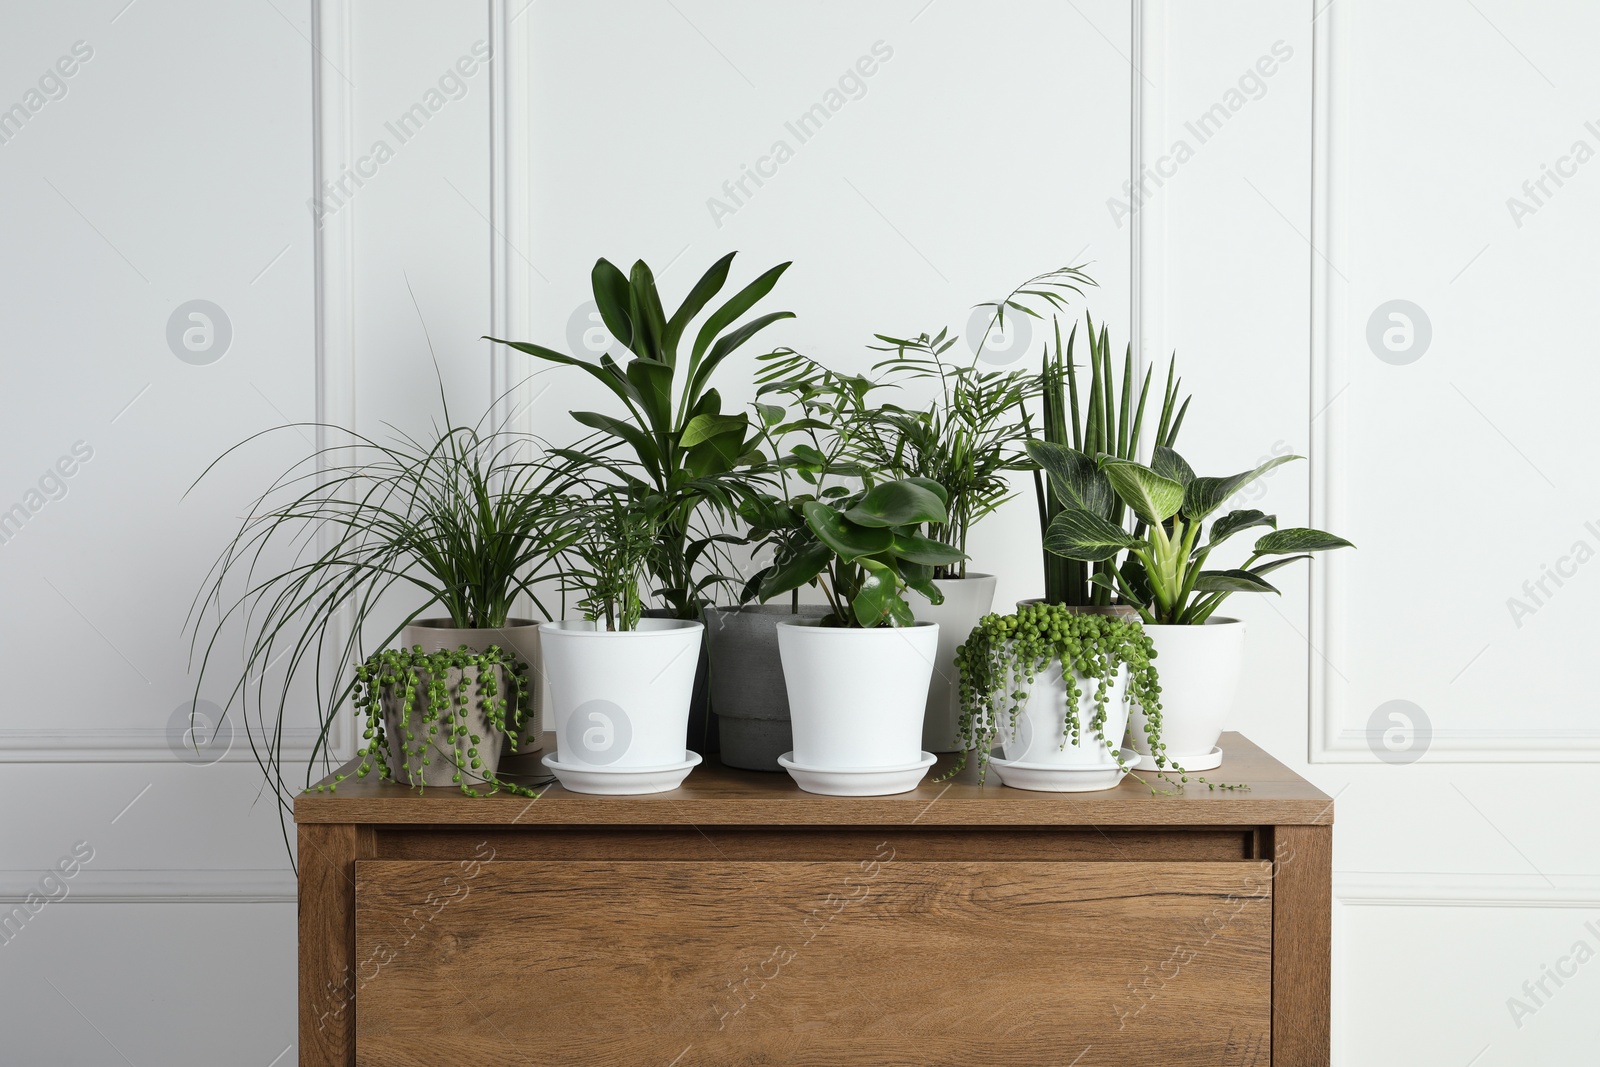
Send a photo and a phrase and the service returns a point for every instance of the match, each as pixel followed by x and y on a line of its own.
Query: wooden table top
pixel 714 795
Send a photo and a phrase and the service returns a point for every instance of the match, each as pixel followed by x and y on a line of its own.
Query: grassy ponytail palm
pixel 458 525
pixel 688 451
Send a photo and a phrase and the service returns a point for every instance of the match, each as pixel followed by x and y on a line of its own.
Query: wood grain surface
pixel 1302 924
pixel 716 796
pixel 880 960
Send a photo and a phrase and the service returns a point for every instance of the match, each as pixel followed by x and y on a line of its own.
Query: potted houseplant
pixel 1166 579
pixel 620 683
pixel 444 717
pixel 807 447
pixel 429 541
pixel 1097 420
pixel 1053 688
pixel 693 456
pixel 858 677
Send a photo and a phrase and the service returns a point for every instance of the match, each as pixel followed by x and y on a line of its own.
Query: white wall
pixel 984 147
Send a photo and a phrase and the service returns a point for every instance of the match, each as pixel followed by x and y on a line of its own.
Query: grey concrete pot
pixel 747 688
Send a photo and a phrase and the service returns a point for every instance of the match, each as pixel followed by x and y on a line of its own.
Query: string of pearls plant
pixel 443 709
pixel 1003 655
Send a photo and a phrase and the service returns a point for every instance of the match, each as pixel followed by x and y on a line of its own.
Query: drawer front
pixel 876 961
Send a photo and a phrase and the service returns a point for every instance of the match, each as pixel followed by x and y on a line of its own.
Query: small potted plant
pixel 1053 688
pixel 429 541
pixel 437 718
pixel 620 684
pixel 858 677
pixel 1166 579
pixel 694 456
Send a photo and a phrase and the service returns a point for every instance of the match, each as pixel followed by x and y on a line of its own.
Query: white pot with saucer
pixel 619 700
pixel 856 702
pixel 1199 669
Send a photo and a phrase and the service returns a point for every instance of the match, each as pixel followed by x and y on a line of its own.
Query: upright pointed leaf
pixel 1233 522
pixel 1234 581
pixel 1205 495
pixel 1169 464
pixel 737 305
pixel 709 285
pixel 1299 539
pixel 1152 497
pixel 652 320
pixel 1078 534
pixel 612 295
pixel 1075 477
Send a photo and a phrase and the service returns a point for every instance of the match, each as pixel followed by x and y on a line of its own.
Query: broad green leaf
pixel 1105 581
pixel 649 319
pixel 874 602
pixel 700 372
pixel 849 540
pixel 919 548
pixel 737 305
pixel 709 285
pixel 644 446
pixel 899 503
pixel 1234 521
pixel 611 296
pixel 1268 568
pixel 771 414
pixel 1205 495
pixel 1169 464
pixel 920 578
pixel 1078 534
pixel 1075 477
pixel 705 427
pixel 1234 581
pixel 766 513
pixel 1152 497
pixel 933 487
pixel 653 380
pixel 796 571
pixel 1299 539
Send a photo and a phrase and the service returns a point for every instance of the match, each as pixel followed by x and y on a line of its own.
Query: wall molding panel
pixel 1336 735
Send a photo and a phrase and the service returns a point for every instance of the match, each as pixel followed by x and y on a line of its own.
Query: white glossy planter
pixel 966 600
pixel 621 699
pixel 1198 668
pixel 1040 738
pixel 856 697
pixel 518 636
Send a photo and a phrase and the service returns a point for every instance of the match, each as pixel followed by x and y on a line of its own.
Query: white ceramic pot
pixel 966 600
pixel 1040 738
pixel 518 636
pixel 1198 668
pixel 856 697
pixel 620 699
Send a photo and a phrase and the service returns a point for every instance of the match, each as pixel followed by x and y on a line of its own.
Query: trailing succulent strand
pixel 1004 654
pixel 399 672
